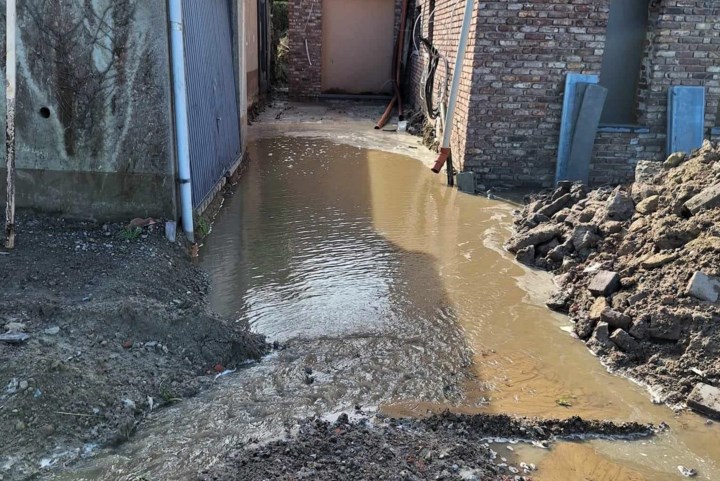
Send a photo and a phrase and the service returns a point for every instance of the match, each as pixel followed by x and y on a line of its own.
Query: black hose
pixel 432 111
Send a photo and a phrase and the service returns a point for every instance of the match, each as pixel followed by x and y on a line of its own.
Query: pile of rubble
pixel 638 271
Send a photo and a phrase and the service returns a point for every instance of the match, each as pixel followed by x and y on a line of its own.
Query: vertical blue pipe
pixel 182 129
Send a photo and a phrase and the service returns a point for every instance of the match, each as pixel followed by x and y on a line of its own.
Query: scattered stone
pixel 611 227
pixel 658 260
pixel 533 237
pixel 605 283
pixel 24 385
pixel 616 319
pixel 597 309
pixel 704 287
pixel 559 300
pixel 665 326
pixel 602 334
pixel 705 399
pixel 649 205
pixel 674 160
pixel 687 472
pixel 52 331
pixel 584 237
pixel 624 341
pixel 705 200
pixel 15 327
pixel 47 430
pixel 14 338
pixel 127 344
pixel 647 170
pixel 556 206
pixel 620 206
pixel 526 255
pixel 20 426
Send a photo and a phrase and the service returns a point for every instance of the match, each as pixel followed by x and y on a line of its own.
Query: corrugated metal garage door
pixel 212 100
pixel 357 46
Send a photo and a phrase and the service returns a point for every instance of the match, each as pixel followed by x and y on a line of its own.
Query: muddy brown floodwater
pixel 391 291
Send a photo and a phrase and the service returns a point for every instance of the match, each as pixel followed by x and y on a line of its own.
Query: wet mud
pixel 388 291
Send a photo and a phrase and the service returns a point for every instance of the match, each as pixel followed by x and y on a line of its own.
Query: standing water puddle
pixel 392 291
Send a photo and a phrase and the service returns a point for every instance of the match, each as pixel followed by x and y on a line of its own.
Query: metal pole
pixel 182 127
pixel 11 74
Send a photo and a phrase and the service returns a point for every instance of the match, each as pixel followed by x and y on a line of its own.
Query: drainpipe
pixel 182 127
pixel 445 156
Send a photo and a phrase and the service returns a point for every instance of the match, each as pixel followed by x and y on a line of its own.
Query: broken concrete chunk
pixel 602 334
pixel 533 237
pixel 665 326
pixel 14 337
pixel 674 160
pixel 616 319
pixel 705 200
pixel 526 256
pixel 704 287
pixel 658 260
pixel 605 283
pixel 619 205
pixel 559 300
pixel 649 205
pixel 646 170
pixel 556 206
pixel 600 305
pixel 584 237
pixel 705 399
pixel 624 341
pixel 584 327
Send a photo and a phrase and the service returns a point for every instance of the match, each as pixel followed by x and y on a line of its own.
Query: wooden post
pixel 11 73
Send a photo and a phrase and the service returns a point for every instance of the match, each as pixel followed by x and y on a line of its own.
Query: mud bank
pixel 117 325
pixel 447 446
pixel 637 271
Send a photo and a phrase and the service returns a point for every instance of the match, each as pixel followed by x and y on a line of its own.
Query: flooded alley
pixel 389 292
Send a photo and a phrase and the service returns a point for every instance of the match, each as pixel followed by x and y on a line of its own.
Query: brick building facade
pixel 510 104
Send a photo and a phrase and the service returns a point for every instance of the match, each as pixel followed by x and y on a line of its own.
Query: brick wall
pixel 521 53
pixel 305 25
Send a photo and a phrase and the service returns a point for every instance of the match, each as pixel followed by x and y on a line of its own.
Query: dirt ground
pixel 447 446
pixel 648 240
pixel 118 326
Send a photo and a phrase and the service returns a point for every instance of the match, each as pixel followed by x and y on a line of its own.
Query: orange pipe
pixel 386 115
pixel 441 160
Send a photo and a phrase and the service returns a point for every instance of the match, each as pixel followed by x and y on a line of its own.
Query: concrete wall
pixel 307 20
pixel 251 51
pixel 357 46
pixel 94 125
pixel 519 55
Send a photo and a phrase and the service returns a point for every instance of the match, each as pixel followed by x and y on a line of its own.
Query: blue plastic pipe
pixel 182 127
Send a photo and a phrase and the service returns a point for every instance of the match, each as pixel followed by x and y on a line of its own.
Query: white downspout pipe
pixel 182 126
pixel 445 153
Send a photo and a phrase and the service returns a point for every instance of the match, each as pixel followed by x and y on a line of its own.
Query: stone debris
pixel 640 266
pixel 704 287
pixel 604 283
pixel 705 399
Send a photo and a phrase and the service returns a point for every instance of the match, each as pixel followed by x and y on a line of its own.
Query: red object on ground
pixel 127 344
pixel 219 368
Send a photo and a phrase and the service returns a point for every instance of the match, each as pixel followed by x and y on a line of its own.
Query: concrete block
pixel 705 200
pixel 466 182
pixel 704 287
pixel 605 283
pixel 624 341
pixel 705 399
pixel 616 319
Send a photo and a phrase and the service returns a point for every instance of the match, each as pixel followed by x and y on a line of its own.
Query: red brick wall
pixel 305 24
pixel 521 53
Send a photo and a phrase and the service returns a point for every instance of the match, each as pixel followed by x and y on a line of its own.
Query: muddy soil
pixel 446 446
pixel 627 261
pixel 118 326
